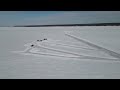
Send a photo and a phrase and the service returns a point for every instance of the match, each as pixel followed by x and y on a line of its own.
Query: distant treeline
pixel 93 24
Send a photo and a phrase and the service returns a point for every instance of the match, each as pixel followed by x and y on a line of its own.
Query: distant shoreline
pixel 92 24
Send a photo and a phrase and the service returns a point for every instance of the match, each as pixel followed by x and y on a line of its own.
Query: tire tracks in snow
pixel 109 52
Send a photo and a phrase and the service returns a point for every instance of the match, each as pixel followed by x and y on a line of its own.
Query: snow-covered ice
pixel 94 54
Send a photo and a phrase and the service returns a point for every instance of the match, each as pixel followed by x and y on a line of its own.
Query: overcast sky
pixel 10 18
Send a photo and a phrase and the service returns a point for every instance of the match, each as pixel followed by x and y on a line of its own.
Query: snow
pixel 95 55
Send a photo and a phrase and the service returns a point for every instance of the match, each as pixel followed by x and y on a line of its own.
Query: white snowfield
pixel 66 52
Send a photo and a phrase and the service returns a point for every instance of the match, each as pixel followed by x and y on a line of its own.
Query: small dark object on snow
pixel 32 45
pixel 45 39
pixel 41 40
pixel 37 40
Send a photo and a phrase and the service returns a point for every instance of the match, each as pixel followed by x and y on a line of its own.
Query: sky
pixel 12 18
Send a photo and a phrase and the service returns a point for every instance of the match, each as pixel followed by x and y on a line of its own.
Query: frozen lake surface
pixel 16 65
